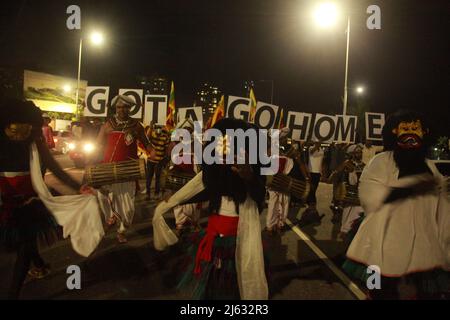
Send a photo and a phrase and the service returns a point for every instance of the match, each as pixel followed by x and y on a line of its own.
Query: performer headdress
pixel 123 100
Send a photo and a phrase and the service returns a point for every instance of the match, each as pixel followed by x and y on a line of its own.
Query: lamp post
pixel 344 110
pixel 326 15
pixel 96 39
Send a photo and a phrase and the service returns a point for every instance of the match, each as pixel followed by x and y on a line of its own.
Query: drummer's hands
pixel 85 189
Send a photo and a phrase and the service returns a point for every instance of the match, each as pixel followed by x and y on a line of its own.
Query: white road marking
pixel 342 276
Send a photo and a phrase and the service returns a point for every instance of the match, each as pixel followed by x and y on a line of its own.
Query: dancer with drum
pixel 351 171
pixel 180 174
pixel 278 201
pixel 118 137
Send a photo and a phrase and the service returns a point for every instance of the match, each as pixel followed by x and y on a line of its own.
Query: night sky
pixel 405 64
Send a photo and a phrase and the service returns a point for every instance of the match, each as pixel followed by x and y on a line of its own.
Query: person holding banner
pixel 299 170
pixel 118 137
pixel 405 236
pixel 157 159
pixel 315 166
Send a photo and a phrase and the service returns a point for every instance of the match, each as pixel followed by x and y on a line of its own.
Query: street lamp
pixel 326 15
pixel 360 90
pixel 67 88
pixel 96 39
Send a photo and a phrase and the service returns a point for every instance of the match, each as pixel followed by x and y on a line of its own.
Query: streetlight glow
pixel 97 38
pixel 67 88
pixel 360 90
pixel 326 14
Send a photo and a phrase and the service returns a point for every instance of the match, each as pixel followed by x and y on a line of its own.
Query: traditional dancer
pixel 28 212
pixel 278 208
pixel 226 260
pixel 406 232
pixel 119 137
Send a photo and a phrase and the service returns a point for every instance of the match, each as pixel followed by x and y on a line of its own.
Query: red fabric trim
pixel 14 191
pixel 217 224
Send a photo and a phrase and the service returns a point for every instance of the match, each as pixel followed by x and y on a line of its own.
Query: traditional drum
pixel 348 194
pixel 115 172
pixel 177 178
pixel 285 184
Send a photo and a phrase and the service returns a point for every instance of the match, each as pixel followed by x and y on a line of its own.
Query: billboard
pixel 52 93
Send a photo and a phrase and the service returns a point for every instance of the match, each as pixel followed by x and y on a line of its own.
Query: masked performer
pixel 226 260
pixel 29 214
pixel 119 136
pixel 406 232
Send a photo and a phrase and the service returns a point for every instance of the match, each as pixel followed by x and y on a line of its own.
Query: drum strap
pixel 117 143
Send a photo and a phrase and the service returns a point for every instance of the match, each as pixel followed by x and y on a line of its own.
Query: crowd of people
pixel 391 203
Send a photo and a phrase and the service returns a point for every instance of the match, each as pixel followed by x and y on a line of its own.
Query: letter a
pixel 74 20
pixel 374 280
pixel 374 21
pixel 73 281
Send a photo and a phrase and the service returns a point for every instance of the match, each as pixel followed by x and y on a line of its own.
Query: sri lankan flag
pixel 280 121
pixel 252 105
pixel 219 113
pixel 170 122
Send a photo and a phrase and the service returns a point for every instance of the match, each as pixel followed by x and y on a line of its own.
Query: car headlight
pixel 88 147
pixel 71 146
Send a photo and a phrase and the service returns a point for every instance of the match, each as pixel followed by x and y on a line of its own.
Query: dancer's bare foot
pixel 39 273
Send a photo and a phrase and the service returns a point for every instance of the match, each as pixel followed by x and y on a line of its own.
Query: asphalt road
pixel 301 261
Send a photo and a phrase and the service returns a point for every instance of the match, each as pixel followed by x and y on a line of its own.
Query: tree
pixel 11 83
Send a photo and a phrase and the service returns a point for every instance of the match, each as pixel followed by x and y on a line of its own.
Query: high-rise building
pixel 208 96
pixel 154 84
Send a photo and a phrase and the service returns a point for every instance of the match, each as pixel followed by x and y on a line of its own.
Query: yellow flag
pixel 252 105
pixel 218 113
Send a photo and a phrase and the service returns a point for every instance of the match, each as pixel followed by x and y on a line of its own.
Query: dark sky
pixel 405 64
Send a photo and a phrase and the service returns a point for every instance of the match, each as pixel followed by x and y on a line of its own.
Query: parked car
pixel 62 139
pixel 81 151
